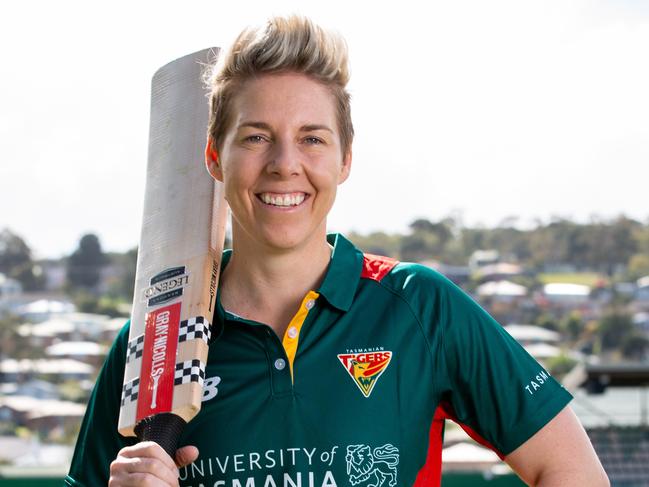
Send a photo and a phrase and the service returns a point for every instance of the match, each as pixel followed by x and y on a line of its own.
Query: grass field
pixel 585 278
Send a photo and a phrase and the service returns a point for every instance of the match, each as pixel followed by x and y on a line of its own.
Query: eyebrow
pixel 303 128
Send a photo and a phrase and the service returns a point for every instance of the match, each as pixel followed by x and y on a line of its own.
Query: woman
pixel 330 367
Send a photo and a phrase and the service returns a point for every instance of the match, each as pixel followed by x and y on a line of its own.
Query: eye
pixel 311 140
pixel 254 139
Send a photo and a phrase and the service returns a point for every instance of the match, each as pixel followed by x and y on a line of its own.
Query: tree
pixel 378 243
pixel 12 343
pixel 16 261
pixel 548 322
pixel 638 266
pixel 613 244
pixel 84 265
pixel 427 240
pixel 572 324
pixel 613 329
pixel 635 346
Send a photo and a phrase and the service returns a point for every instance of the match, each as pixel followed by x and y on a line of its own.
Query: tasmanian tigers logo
pixel 372 466
pixel 365 368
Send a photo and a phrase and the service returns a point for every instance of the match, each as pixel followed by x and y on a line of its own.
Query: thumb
pixel 186 455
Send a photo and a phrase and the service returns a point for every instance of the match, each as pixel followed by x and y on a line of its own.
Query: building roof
pixel 47 329
pixel 501 288
pixel 565 289
pixel 44 366
pixel 76 348
pixel 542 350
pixel 531 333
pixel 500 268
pixel 39 408
pixel 46 306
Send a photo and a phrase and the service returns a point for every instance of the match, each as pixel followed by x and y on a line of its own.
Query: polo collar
pixel 343 273
pixel 340 281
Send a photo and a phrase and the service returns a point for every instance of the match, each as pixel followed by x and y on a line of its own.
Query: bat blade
pixel 178 264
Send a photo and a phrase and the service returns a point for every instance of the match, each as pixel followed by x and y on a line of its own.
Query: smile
pixel 282 199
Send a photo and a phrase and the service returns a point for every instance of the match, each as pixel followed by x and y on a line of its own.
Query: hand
pixel 146 464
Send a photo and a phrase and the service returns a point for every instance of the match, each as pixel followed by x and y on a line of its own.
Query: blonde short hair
pixel 291 44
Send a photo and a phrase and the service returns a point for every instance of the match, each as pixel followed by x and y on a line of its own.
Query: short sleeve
pixel 495 388
pixel 99 441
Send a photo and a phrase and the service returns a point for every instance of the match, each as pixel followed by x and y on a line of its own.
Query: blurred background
pixel 505 144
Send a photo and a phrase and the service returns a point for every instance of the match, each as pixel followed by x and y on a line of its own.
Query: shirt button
pixel 309 304
pixel 280 363
pixel 292 332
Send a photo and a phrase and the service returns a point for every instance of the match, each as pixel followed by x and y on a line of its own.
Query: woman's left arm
pixel 559 454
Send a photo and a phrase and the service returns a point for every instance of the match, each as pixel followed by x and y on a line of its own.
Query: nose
pixel 284 159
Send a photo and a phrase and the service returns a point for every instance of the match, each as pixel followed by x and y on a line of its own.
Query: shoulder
pixel 429 294
pixel 406 278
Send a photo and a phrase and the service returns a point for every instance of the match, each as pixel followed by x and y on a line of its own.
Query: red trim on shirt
pixel 376 266
pixel 448 410
pixel 430 474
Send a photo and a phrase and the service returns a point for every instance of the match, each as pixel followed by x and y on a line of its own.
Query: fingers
pixel 186 455
pixel 143 464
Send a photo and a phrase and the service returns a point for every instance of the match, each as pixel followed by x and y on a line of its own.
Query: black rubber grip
pixel 164 428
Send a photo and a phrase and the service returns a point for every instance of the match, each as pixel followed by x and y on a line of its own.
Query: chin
pixel 289 239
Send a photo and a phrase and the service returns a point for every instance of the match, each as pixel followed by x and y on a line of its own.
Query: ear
pixel 346 167
pixel 212 160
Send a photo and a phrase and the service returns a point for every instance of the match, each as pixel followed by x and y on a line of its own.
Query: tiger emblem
pixel 372 466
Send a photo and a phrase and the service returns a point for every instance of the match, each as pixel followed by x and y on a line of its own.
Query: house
pixel 504 291
pixel 43 309
pixel 37 388
pixel 9 288
pixel 642 291
pixel 458 274
pixel 54 370
pixel 481 258
pixel 47 416
pixel 540 343
pixel 69 327
pixel 87 352
pixel 566 294
pixel 499 271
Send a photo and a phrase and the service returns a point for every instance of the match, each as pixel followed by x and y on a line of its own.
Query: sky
pixel 480 110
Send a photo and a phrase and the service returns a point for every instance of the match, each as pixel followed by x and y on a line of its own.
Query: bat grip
pixel 164 428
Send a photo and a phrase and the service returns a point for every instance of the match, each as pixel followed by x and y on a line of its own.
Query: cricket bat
pixel 178 262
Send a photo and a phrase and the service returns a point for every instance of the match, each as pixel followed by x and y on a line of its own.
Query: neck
pixel 267 285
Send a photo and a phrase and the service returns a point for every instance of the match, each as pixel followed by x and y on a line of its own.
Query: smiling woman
pixel 281 161
pixel 333 367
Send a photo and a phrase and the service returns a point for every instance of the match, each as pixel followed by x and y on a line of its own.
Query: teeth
pixel 286 200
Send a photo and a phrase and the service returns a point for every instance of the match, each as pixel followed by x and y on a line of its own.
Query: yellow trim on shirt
pixel 290 344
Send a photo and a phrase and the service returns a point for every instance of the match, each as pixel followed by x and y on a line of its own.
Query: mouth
pixel 282 200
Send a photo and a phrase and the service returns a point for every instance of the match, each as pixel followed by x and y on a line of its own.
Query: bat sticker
pixel 165 286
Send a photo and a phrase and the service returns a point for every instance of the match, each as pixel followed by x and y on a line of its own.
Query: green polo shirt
pixel 354 394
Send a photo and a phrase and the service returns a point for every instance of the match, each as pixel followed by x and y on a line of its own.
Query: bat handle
pixel 164 428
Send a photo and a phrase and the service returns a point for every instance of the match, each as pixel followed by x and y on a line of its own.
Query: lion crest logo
pixel 372 466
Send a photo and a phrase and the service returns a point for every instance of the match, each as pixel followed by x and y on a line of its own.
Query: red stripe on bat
pixel 158 361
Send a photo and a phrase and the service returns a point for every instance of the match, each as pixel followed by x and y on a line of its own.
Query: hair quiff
pixel 284 44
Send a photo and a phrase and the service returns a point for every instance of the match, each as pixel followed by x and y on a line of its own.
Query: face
pixel 281 161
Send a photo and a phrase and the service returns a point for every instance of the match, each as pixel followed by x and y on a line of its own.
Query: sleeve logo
pixel 365 368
